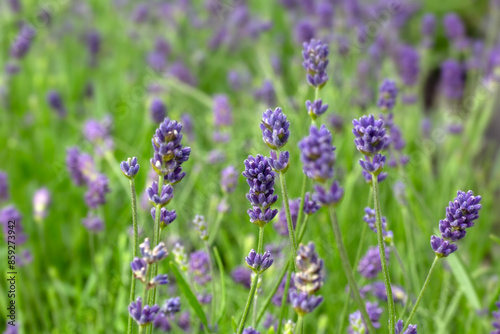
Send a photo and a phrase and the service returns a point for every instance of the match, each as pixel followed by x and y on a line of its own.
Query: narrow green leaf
pixel 464 281
pixel 495 238
pixel 188 293
pixel 222 284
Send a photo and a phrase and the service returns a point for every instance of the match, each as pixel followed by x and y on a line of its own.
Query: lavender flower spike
pixel 311 274
pixel 373 165
pixel 166 217
pixel 387 95
pixel 275 128
pixel 412 329
pixel 142 316
pixel 303 302
pixel 158 110
pixel 153 255
pixel 460 215
pixel 442 247
pixel 369 266
pixel 317 154
pixel 201 226
pixel 130 167
pixel 229 179
pixel 316 108
pixel 315 55
pixel 327 197
pixel 55 102
pixel 199 263
pixel 279 163
pixel 4 187
pixel 371 137
pixel 250 330
pixel 166 195
pixel 259 262
pixel 139 266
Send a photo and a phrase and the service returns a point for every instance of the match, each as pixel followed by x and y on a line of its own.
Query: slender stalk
pixel 347 300
pixel 141 329
pixel 218 221
pixel 291 232
pixel 283 301
pixel 302 198
pixel 145 293
pixel 424 287
pixel 253 287
pixel 211 268
pixel 299 327
pixel 348 271
pixel 383 259
pixel 255 303
pixel 248 304
pixel 303 227
pixel 135 238
pixel 405 276
pixel 277 283
pixel 156 237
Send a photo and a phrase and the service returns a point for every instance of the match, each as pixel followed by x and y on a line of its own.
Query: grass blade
pixel 222 284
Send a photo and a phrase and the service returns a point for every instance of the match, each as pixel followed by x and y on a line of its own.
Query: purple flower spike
pixel 370 219
pixel 250 330
pixel 371 137
pixel 327 197
pixel 260 178
pixel 303 302
pixel 158 110
pixel 229 179
pixel 169 152
pixel 315 55
pixel 279 164
pixel 454 28
pixel 97 190
pixel 442 247
pixel 259 262
pixel 153 255
pixel 373 165
pixel 172 306
pixel 4 187
pixel 130 168
pixel 199 267
pixel 74 166
pixel 412 329
pixel 460 215
pixel 22 43
pixel 370 265
pixel 408 61
pixel 317 154
pixel 428 29
pixel 311 273
pixel 275 128
pixel 162 322
pixel 55 102
pixel 242 275
pixel 142 316
pixel 388 92
pixel 452 79
pixel 139 266
pixel 166 195
pixel 159 280
pixel 222 111
pixel 10 213
pixel 93 223
pixel 266 94
pixel 316 108
pixel 166 217
pixel 310 204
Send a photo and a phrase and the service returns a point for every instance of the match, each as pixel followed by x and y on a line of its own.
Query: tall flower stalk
pixel 371 139
pixel 460 215
pixel 130 168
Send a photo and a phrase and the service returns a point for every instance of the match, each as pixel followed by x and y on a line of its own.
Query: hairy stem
pixel 424 287
pixel 299 327
pixel 291 232
pixel 302 198
pixel 348 271
pixel 135 238
pixel 383 259
pixel 253 288
pixel 283 301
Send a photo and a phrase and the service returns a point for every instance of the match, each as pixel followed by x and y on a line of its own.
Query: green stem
pixel 135 237
pixel 405 276
pixel 348 271
pixel 156 236
pixel 211 268
pixel 141 329
pixel 253 288
pixel 145 293
pixel 217 224
pixel 299 327
pixel 424 287
pixel 255 303
pixel 277 283
pixel 283 301
pixel 302 198
pixel 303 227
pixel 383 259
pixel 291 232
